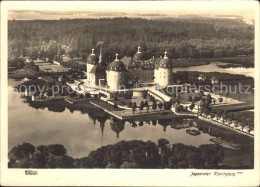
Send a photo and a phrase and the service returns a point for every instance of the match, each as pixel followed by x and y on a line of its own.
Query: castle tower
pixel 138 55
pixel 116 74
pixel 91 61
pixel 164 74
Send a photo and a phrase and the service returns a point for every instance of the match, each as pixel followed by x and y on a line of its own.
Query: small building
pixel 56 62
pixel 97 73
pixel 214 80
pixel 232 125
pixel 202 77
pixel 215 119
pixel 239 127
pixel 246 129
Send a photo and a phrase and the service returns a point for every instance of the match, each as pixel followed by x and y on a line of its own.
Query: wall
pixel 115 79
pixel 164 77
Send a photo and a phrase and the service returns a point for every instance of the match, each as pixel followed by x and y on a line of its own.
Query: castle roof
pixel 138 55
pixel 98 69
pixel 165 62
pixel 128 61
pixel 116 65
pixel 92 58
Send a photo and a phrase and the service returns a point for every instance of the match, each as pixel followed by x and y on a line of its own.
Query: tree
pixel 141 107
pixel 57 149
pixel 88 95
pixel 212 154
pixel 81 96
pixel 160 105
pixel 224 115
pixel 165 153
pixel 32 66
pixel 196 98
pixel 146 103
pixel 16 62
pixel 130 104
pixel 115 106
pixel 145 95
pixel 167 105
pixel 147 108
pixel 209 99
pixel 33 54
pixel 154 106
pixel 22 151
pixel 192 106
pixel 220 99
pixel 133 108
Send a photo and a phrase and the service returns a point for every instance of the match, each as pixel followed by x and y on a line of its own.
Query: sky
pixel 154 9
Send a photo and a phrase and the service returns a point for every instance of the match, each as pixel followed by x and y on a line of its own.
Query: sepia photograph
pixel 156 86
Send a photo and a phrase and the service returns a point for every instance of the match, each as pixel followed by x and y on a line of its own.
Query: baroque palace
pixel 127 70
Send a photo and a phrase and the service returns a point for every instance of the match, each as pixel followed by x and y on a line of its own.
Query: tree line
pixel 124 154
pixel 182 38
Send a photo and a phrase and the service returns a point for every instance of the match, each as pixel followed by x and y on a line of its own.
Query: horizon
pixel 137 9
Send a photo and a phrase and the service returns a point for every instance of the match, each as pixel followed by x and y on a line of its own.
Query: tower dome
pixel 165 62
pixel 117 126
pixel 116 65
pixel 92 58
pixel 138 55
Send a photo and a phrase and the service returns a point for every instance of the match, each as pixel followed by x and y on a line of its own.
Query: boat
pixel 193 132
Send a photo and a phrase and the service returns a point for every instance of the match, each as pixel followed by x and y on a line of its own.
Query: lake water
pixel 78 132
pixel 213 67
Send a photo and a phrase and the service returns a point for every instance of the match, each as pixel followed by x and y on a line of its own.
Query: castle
pixel 128 70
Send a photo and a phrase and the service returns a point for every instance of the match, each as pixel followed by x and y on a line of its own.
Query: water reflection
pixel 59 123
pixel 117 125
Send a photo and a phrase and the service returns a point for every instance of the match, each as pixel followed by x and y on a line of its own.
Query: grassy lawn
pixel 105 105
pixel 124 102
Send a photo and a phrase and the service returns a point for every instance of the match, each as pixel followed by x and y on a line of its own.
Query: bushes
pixel 32 66
pixel 124 154
pixel 16 62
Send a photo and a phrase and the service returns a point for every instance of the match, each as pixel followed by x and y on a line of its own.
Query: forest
pixel 124 154
pixel 182 38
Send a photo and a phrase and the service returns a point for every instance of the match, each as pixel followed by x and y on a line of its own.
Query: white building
pixel 202 77
pixel 115 74
pixel 91 61
pixel 163 75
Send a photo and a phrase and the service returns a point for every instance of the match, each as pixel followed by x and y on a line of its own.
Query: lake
pixel 78 132
pixel 213 67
